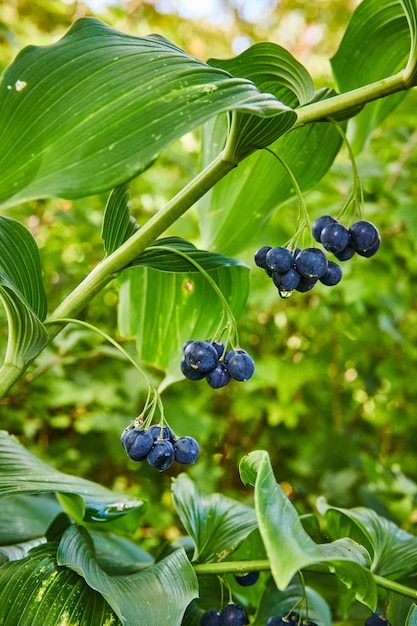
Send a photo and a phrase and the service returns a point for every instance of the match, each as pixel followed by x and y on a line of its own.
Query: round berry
pixel 364 235
pixel 189 372
pixel 333 274
pixel 334 237
pixel 241 366
pixel 219 377
pixel 186 450
pixel 137 442
pixel 210 618
pixel 311 263
pixel 279 260
pixel 284 619
pixel 305 284
pixel 260 256
pixel 161 455
pixel 287 281
pixel 376 620
pixel 219 347
pixel 232 615
pixel 201 356
pixel 371 251
pixel 345 254
pixel 247 580
pixel 161 432
pixel 320 223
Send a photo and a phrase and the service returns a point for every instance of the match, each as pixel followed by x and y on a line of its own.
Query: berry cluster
pixel 289 618
pixel 210 360
pixel 301 269
pixel 230 615
pixel 159 446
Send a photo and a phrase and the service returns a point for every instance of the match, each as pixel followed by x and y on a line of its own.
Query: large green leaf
pixel 393 550
pixel 287 544
pixel 163 310
pixel 25 517
pixel 158 595
pixel 376 45
pixel 34 590
pixel 89 112
pixel 23 473
pixel 239 206
pixel 216 523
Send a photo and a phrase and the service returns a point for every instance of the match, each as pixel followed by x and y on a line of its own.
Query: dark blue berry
pixel 376 620
pixel 161 455
pixel 311 263
pixel 219 377
pixel 189 372
pixel 287 281
pixel 161 432
pixel 219 347
pixel 186 450
pixel 345 254
pixel 277 620
pixel 247 580
pixel 320 223
pixel 334 237
pixel 333 274
pixel 371 251
pixel 279 260
pixel 260 256
pixel 306 284
pixel 363 235
pixel 201 356
pixel 210 618
pixel 137 442
pixel 232 615
pixel 241 366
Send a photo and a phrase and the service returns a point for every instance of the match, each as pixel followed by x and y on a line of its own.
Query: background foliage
pixel 333 400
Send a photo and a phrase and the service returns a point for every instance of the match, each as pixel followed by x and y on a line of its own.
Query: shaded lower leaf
pixel 158 595
pixel 26 517
pixel 21 472
pixel 216 523
pixel 36 591
pixel 289 547
pixel 118 555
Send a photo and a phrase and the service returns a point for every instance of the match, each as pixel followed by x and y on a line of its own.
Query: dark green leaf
pixel 167 261
pixel 23 473
pixel 25 517
pixel 35 590
pixel 163 310
pixel 216 523
pixel 376 45
pixel 89 112
pixel 118 224
pixel 118 555
pixel 239 206
pixel 158 595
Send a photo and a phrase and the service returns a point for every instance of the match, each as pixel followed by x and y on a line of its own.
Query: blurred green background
pixel 334 395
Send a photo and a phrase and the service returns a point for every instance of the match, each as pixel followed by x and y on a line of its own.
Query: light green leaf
pixel 163 310
pixel 217 524
pixel 239 206
pixel 393 550
pixel 289 547
pixel 376 45
pixel 158 595
pixel 25 517
pixel 34 590
pixel 91 111
pixel 23 473
pixel 166 261
pixel 118 224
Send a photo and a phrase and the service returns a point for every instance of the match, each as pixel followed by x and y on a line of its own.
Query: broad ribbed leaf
pixel 164 260
pixel 36 591
pixel 23 473
pixel 163 310
pixel 287 544
pixel 239 206
pixel 217 524
pixel 376 45
pixel 118 224
pixel 393 550
pixel 118 555
pixel 274 70
pixel 158 595
pixel 25 517
pixel 89 112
